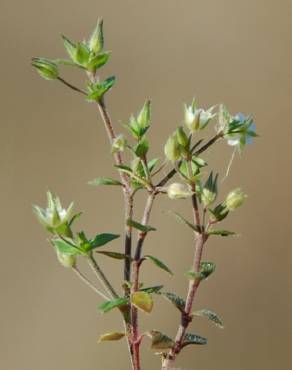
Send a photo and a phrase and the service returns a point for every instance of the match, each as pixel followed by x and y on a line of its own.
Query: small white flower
pixel 197 118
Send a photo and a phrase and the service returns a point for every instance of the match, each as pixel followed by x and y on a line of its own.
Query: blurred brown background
pixel 236 52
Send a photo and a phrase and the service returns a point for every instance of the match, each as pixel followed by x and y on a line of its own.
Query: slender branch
pixel 68 84
pixel 88 283
pixel 101 277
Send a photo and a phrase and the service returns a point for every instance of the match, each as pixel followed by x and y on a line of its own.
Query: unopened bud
pixel 119 144
pixel 178 191
pixel 46 68
pixel 235 199
pixel 96 40
pixel 172 149
pixel 66 260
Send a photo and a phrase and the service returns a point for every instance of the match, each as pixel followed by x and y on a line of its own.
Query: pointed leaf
pixel 160 340
pixel 111 336
pixel 142 300
pixel 102 239
pixel 138 226
pixel 74 218
pixel 207 268
pixel 152 289
pixel 193 339
pixel 70 48
pixel 221 232
pixel 158 263
pixel 104 181
pixel 115 255
pixel 184 221
pixel 177 301
pixel 210 315
pixel 109 305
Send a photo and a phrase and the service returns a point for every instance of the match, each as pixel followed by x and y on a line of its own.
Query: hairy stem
pixel 88 282
pixel 101 277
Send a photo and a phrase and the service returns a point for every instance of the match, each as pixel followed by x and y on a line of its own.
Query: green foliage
pixel 193 339
pixel 115 303
pixel 152 289
pixel 206 269
pixel 177 301
pixel 160 340
pixel 104 181
pixel 211 315
pixel 181 219
pixel 142 300
pixel 111 337
pixel 140 227
pixel 158 263
pixel 115 255
pixel 97 90
pixel 221 232
pixel 96 40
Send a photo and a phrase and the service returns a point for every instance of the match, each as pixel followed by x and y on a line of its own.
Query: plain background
pixel 236 52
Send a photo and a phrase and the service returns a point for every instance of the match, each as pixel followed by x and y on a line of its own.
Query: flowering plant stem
pixel 185 160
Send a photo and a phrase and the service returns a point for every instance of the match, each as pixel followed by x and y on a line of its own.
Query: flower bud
pixel 66 260
pixel 96 40
pixel 209 192
pixel 172 149
pixel 235 199
pixel 46 68
pixel 119 144
pixel 178 191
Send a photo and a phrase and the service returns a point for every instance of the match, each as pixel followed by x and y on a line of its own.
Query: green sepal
pixel 141 148
pixel 140 227
pixel 210 315
pixel 115 303
pixel 104 181
pixel 177 301
pixel 70 48
pixel 96 40
pixel 193 339
pixel 82 54
pixel 97 61
pixel 158 263
pixel 206 269
pixel 64 247
pixel 144 115
pixel 219 212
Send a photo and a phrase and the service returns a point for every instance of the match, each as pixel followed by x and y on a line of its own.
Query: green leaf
pixel 82 54
pixel 210 315
pixel 138 226
pixel 104 181
pixel 221 232
pixel 177 301
pixel 152 289
pixel 158 263
pixel 109 305
pixel 193 339
pixel 65 248
pixel 181 219
pixel 111 336
pixel 160 340
pixel 206 269
pixel 152 164
pixel 115 255
pixel 102 239
pixel 142 300
pixel 125 169
pixel 96 91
